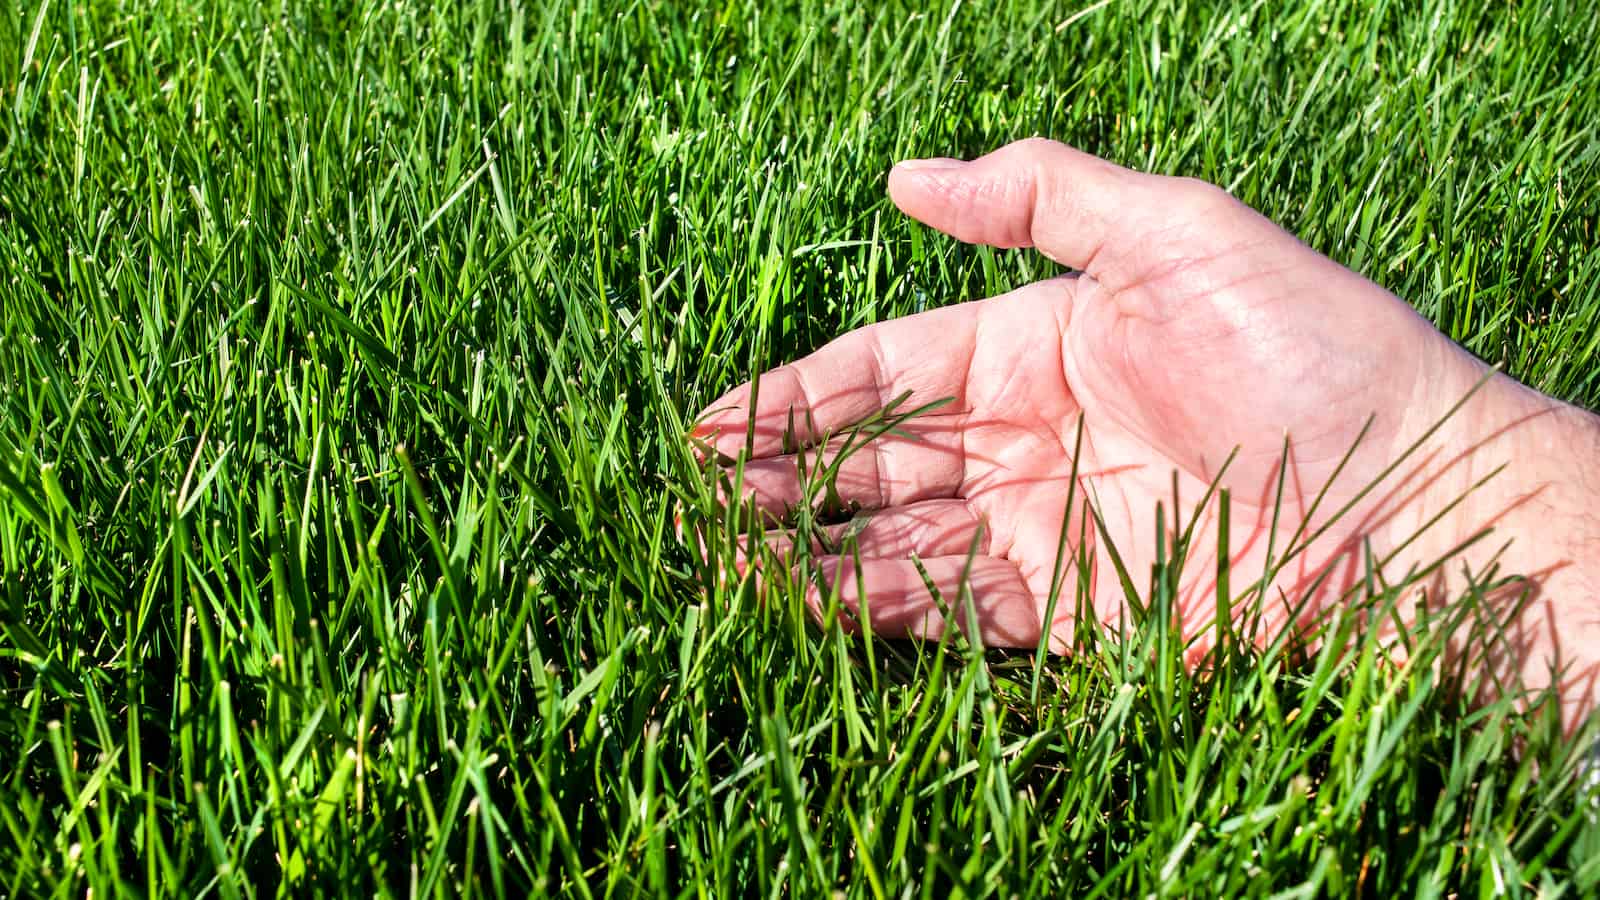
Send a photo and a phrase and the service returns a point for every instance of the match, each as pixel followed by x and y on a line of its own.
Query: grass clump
pixel 345 351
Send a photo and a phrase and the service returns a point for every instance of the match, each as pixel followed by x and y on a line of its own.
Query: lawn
pixel 346 355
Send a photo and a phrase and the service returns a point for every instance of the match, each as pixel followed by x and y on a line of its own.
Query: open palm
pixel 1194 330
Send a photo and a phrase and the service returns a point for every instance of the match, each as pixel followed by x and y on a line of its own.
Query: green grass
pixel 345 355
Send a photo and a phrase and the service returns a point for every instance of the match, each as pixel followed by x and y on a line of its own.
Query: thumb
pixel 1077 209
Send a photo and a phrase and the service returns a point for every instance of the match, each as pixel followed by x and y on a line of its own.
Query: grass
pixel 345 355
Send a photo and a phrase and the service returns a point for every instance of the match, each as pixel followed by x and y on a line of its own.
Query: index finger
pixel 926 355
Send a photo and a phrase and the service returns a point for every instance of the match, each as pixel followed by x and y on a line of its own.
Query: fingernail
pixel 932 164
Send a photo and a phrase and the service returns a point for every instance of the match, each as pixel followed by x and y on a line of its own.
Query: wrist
pixel 1523 470
pixel 1509 488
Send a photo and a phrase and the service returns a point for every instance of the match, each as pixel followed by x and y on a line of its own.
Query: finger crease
pixel 810 400
pixel 879 371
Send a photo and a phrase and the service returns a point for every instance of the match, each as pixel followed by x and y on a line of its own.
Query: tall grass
pixel 345 355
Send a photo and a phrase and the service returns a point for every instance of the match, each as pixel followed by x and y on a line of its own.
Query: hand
pixel 1194 329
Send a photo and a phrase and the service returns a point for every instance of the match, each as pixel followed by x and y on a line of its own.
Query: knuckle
pixel 1196 195
pixel 1040 145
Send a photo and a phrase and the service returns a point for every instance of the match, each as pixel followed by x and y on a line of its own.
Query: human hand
pixel 1195 331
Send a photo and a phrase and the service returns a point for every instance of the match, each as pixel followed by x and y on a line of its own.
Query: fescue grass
pixel 346 354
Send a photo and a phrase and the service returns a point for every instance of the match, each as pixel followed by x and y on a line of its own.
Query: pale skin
pixel 1195 330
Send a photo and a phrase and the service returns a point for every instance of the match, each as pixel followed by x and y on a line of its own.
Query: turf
pixel 346 352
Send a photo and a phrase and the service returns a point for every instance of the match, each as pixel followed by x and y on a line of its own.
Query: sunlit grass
pixel 346 358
